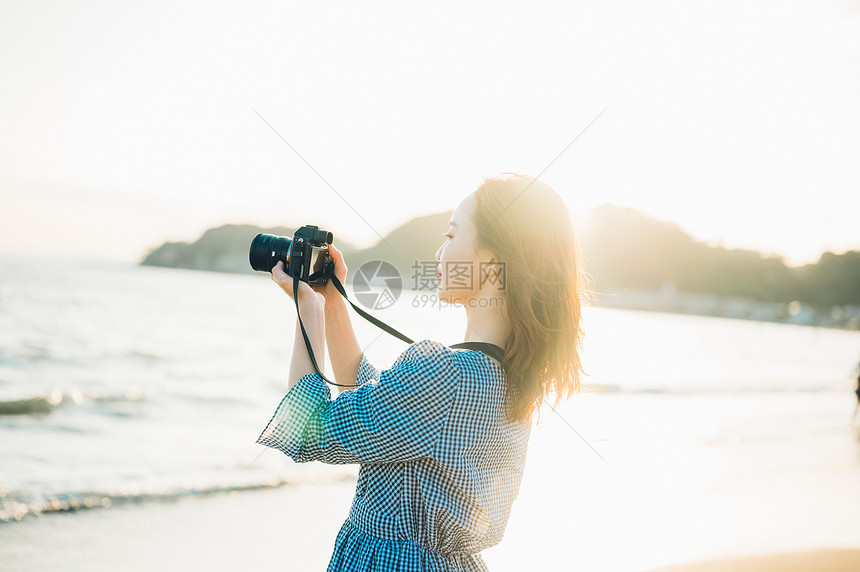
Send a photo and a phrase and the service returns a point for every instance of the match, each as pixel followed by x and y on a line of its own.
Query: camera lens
pixel 267 249
pixel 323 237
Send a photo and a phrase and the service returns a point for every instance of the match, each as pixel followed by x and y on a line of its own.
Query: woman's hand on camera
pixel 328 290
pixel 307 295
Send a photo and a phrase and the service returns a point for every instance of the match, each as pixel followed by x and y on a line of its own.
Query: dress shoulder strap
pixel 491 350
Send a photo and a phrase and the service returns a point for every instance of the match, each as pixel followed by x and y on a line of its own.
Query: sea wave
pixel 25 354
pixel 46 402
pixel 16 507
pixel 30 405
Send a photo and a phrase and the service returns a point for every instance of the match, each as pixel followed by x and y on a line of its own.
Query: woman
pixel 441 436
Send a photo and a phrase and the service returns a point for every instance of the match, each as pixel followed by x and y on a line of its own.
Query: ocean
pixel 122 384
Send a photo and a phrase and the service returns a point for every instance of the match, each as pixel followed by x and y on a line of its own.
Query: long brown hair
pixel 527 226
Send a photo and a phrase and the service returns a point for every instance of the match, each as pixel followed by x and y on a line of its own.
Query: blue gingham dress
pixel 440 464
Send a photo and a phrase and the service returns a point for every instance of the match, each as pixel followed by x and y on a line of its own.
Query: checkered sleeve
pixel 366 371
pixel 395 418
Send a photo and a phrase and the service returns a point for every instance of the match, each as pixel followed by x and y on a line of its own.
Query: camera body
pixel 305 256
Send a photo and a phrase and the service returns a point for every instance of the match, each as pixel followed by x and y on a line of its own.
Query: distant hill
pixel 627 248
pixel 624 248
pixel 225 248
pixel 412 243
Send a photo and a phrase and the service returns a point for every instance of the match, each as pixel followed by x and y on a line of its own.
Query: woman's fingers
pixel 282 279
pixel 336 255
pixel 285 281
pixel 339 264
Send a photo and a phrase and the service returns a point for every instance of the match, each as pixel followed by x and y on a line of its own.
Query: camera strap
pixel 365 315
pixel 491 350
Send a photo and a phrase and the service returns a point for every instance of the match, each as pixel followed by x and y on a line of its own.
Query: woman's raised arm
pixel 343 348
pixel 398 418
pixel 344 351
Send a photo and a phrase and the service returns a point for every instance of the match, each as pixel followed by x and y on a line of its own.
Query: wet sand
pixel 833 560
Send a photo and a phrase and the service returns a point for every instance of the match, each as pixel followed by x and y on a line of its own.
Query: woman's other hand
pixel 328 290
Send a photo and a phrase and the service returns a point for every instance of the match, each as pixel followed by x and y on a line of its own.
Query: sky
pixel 124 125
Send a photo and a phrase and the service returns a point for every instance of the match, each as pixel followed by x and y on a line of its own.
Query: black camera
pixel 305 256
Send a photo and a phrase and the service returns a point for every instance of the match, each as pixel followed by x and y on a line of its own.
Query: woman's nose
pixel 438 254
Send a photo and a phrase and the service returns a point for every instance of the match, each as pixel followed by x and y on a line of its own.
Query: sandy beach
pixel 289 528
pixel 785 504
pixel 835 560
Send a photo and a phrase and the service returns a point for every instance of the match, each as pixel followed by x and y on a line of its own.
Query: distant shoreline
pixel 637 263
pixel 730 307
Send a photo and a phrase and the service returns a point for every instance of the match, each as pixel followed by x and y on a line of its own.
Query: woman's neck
pixel 488 325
